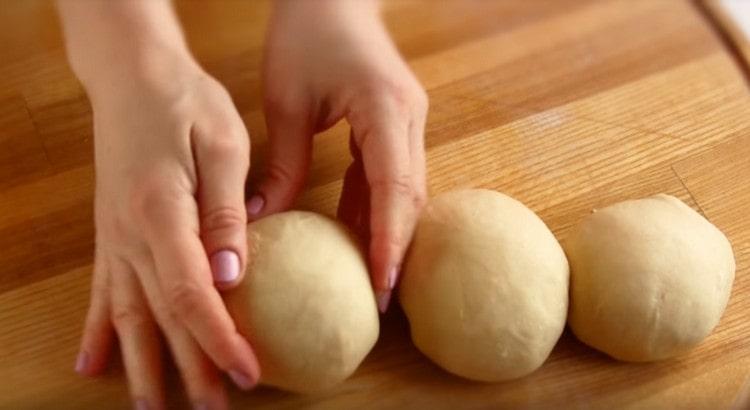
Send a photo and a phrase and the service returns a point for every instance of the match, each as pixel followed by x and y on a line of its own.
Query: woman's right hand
pixel 172 156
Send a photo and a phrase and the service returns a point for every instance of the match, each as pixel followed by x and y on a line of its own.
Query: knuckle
pixel 113 221
pixel 226 143
pixel 184 298
pixel 398 91
pixel 420 198
pixel 281 174
pixel 116 226
pixel 404 99
pixel 111 229
pixel 99 286
pixel 386 90
pixel 366 130
pixel 129 316
pixel 400 185
pixel 144 196
pixel 421 100
pixel 283 104
pixel 222 218
pixel 399 94
pixel 222 92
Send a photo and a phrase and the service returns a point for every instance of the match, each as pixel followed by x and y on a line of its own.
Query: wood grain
pixel 566 105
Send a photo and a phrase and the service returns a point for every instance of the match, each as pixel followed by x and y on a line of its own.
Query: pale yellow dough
pixel 650 278
pixel 485 286
pixel 305 304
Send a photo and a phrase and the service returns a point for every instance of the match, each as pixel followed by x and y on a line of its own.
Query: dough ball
pixel 305 304
pixel 485 286
pixel 650 278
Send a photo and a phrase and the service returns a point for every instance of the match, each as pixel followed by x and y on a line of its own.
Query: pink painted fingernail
pixel 392 277
pixel 242 381
pixel 81 362
pixel 225 266
pixel 141 404
pixel 255 205
pixel 383 298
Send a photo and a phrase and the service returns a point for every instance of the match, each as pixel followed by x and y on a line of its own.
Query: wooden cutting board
pixel 566 105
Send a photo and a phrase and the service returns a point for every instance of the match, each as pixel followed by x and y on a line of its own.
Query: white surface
pixel 739 10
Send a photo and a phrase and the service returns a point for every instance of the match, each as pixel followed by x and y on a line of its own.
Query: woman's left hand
pixel 331 60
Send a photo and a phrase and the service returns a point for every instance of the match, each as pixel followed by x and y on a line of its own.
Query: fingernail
pixel 140 404
pixel 242 381
pixel 255 205
pixel 81 362
pixel 225 266
pixel 383 298
pixel 392 276
pixel 200 406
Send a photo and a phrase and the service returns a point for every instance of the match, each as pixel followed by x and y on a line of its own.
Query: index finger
pixel 186 285
pixel 393 173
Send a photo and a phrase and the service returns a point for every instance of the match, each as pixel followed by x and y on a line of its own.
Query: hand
pixel 172 156
pixel 331 60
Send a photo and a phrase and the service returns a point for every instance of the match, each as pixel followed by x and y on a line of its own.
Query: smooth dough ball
pixel 485 286
pixel 305 304
pixel 650 278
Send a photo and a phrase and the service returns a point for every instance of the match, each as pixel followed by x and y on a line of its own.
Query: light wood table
pixel 566 105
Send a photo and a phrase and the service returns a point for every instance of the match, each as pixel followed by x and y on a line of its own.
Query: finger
pixel 290 139
pixel 222 159
pixel 199 375
pixel 186 287
pixel 417 151
pixel 96 343
pixel 382 133
pixel 139 338
pixel 354 204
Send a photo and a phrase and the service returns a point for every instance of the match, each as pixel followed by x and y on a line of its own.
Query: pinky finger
pixel 140 344
pixel 98 333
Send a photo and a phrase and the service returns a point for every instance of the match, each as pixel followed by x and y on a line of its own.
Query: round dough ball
pixel 650 278
pixel 305 304
pixel 485 286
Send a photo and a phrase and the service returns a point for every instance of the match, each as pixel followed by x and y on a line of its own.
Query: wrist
pixel 113 41
pixel 143 65
pixel 327 8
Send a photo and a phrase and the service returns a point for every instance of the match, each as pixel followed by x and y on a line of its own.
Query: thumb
pixel 222 162
pixel 290 140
